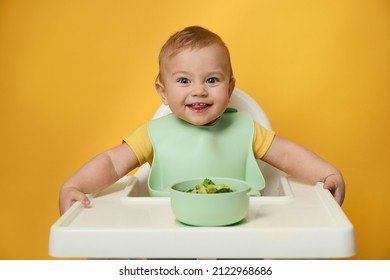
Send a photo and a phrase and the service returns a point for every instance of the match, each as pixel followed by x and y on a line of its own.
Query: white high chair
pixel 292 219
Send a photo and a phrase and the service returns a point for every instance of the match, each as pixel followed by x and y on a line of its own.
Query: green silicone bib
pixel 183 151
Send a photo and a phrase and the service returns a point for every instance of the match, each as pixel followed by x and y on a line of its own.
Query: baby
pixel 196 81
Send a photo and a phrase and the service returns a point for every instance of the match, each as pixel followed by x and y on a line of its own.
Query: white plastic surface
pixel 297 221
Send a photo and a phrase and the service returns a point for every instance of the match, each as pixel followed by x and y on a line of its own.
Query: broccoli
pixel 208 187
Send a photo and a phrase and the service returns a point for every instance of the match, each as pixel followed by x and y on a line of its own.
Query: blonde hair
pixel 192 37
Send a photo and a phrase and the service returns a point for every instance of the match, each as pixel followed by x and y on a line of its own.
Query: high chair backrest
pixel 239 100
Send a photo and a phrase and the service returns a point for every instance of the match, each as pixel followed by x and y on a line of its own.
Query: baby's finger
pixel 335 192
pixel 69 197
pixel 79 196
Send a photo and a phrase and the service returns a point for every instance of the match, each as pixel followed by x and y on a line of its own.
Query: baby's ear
pixel 232 85
pixel 161 91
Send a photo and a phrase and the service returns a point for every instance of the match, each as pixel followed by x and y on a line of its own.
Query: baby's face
pixel 197 84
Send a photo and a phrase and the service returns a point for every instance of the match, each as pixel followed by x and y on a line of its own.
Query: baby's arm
pixel 97 174
pixel 302 163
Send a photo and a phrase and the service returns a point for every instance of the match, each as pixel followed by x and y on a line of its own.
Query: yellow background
pixel 77 76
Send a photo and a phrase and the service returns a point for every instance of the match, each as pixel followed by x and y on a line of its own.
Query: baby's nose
pixel 199 91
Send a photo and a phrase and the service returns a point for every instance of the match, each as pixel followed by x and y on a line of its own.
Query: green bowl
pixel 218 209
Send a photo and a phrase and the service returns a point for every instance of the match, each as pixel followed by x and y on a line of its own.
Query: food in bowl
pixel 209 187
pixel 213 209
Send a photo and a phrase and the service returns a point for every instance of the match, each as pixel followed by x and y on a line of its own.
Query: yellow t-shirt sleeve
pixel 140 143
pixel 262 140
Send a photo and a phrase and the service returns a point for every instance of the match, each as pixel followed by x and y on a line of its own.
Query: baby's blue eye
pixel 183 81
pixel 212 80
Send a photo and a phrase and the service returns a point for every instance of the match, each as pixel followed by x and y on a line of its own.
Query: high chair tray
pixel 303 222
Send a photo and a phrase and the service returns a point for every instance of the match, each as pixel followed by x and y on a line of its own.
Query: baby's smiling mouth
pixel 198 106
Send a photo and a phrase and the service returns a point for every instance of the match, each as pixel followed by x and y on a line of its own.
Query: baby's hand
pixel 335 184
pixel 69 195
